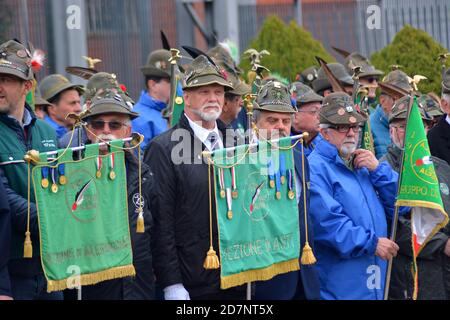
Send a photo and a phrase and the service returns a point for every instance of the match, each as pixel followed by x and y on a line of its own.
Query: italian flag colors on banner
pixel 257 212
pixel 419 188
pixel 83 217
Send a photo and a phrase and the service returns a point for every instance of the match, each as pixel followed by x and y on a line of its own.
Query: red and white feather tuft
pixel 37 60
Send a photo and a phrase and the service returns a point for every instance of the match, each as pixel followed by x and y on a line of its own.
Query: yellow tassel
pixel 27 247
pixel 211 261
pixel 308 255
pixel 140 224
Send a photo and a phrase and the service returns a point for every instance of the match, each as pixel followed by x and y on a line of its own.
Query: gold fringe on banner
pixel 308 257
pixel 93 278
pixel 259 274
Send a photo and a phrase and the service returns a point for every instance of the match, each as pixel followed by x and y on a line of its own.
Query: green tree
pixel 292 49
pixel 416 52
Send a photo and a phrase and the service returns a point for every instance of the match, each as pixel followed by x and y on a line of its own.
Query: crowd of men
pixel 350 192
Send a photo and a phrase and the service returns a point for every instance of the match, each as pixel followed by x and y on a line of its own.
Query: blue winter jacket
pixel 303 284
pixel 348 211
pixel 380 130
pixel 150 122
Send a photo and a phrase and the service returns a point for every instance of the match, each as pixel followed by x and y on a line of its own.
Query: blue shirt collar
pixel 149 101
pixel 60 130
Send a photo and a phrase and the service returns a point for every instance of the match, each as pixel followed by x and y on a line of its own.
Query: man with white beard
pixel 180 201
pixel 351 193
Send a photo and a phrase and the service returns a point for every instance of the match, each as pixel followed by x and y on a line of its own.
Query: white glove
pixel 176 292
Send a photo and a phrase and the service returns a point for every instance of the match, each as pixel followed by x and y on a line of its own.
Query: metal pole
pixel 25 31
pixel 249 291
pixel 297 137
pixel 84 147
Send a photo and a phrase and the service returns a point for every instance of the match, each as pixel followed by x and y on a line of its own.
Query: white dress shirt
pixel 202 134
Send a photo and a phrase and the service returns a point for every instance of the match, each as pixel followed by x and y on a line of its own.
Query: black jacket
pixel 439 140
pixel 180 207
pixel 432 262
pixel 5 242
pixel 142 286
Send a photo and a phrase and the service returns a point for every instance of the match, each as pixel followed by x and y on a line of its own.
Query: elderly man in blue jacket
pixel 351 194
pixel 276 119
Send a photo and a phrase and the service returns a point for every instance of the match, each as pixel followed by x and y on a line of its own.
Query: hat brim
pixel 41 102
pixel 240 89
pixel 372 73
pixel 208 80
pixel 392 90
pixel 322 84
pixel 63 88
pixel 275 108
pixel 108 107
pixel 155 72
pixel 308 98
pixel 445 87
pixel 14 72
pixel 359 118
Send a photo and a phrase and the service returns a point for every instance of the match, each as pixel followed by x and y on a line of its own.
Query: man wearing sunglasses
pixel 351 193
pixel 368 77
pixel 110 119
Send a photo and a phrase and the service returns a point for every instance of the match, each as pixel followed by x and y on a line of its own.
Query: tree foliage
pixel 292 49
pixel 416 52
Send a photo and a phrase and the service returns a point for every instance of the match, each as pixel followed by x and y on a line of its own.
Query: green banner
pixel 178 107
pixel 257 212
pixel 366 135
pixel 83 217
pixel 419 183
pixel 419 188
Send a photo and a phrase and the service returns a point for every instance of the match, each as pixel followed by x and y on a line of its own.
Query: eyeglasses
pixel 346 129
pixel 113 125
pixel 371 79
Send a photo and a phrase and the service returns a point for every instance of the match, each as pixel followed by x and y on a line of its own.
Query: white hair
pixel 446 97
pixel 324 126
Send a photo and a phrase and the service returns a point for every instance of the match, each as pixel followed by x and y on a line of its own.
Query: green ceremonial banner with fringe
pixel 257 212
pixel 419 187
pixel 83 217
pixel 366 134
pixel 178 106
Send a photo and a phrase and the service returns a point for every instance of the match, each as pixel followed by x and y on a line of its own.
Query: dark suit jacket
pixel 439 140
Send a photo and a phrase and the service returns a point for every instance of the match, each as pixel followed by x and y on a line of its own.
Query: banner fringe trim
pixel 259 274
pixel 93 278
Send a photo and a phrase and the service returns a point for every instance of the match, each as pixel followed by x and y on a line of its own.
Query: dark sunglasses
pixel 113 125
pixel 372 79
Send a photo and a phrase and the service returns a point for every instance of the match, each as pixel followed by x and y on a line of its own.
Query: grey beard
pixel 207 117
